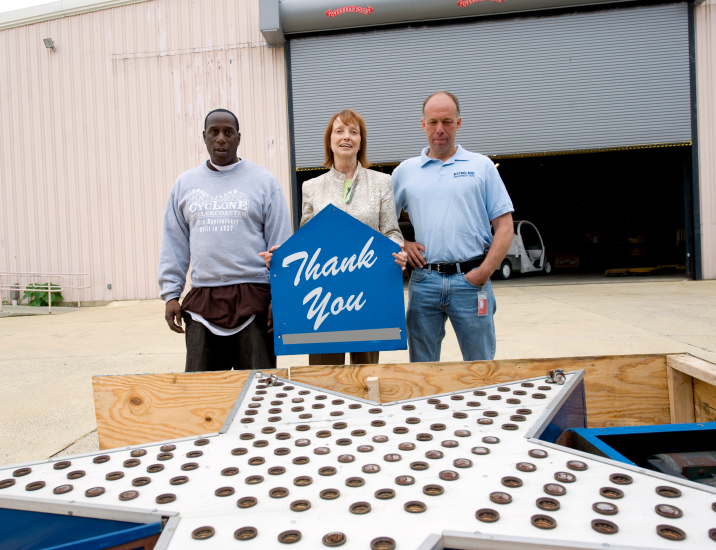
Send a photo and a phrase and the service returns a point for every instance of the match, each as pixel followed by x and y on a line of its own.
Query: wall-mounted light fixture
pixel 49 43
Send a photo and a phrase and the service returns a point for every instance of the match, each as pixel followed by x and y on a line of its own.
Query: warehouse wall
pixel 705 20
pixel 93 135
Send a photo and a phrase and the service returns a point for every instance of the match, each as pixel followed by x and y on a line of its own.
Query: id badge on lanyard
pixel 482 304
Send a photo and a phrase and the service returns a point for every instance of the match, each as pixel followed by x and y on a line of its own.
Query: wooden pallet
pixel 623 272
pixel 627 390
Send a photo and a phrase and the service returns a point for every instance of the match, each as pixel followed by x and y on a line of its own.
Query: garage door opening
pixel 618 212
pixel 607 212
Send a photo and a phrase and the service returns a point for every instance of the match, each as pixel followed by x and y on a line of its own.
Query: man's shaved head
pixel 222 111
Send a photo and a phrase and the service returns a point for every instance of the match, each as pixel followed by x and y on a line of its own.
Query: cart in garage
pixel 527 252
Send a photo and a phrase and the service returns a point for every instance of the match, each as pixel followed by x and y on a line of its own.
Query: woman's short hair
pixel 347 116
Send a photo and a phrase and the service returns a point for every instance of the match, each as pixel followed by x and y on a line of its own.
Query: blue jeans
pixel 432 299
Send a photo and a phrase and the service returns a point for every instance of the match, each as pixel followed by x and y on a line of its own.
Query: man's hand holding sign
pixel 336 289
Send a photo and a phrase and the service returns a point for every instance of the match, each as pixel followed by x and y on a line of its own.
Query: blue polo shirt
pixel 451 203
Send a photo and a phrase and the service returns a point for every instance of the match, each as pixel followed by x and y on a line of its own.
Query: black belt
pixel 450 269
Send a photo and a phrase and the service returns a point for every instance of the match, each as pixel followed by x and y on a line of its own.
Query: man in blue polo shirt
pixel 452 196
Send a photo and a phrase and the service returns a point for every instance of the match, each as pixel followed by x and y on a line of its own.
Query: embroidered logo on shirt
pixel 463 174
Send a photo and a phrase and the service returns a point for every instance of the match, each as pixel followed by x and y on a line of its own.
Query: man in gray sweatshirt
pixel 219 216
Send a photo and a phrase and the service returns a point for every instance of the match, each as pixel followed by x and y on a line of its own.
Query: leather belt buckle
pixel 442 268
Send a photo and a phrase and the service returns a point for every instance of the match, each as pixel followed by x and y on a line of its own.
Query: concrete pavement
pixel 47 362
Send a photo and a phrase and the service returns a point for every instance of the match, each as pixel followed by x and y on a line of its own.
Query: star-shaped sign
pixel 302 466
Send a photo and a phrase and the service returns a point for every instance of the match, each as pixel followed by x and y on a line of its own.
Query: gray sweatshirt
pixel 220 221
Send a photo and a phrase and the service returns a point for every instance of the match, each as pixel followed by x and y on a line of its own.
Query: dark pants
pixel 357 358
pixel 251 348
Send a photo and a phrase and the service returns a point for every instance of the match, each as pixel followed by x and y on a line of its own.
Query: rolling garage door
pixel 579 81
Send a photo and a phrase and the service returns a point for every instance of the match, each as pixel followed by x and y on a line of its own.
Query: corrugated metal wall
pixel 705 19
pixel 586 80
pixel 93 135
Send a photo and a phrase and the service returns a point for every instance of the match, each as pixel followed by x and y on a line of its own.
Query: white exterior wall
pixel 705 20
pixel 94 134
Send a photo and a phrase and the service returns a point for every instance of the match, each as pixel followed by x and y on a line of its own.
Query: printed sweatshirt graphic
pixel 220 221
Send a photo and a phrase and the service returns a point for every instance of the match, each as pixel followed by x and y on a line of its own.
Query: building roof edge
pixel 56 10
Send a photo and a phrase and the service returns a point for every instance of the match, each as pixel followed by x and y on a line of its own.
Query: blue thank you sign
pixel 336 288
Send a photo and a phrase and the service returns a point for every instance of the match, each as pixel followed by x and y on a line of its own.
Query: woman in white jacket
pixel 365 194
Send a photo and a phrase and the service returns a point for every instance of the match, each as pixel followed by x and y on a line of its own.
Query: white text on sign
pixel 330 269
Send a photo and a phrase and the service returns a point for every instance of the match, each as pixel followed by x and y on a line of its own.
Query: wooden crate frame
pixel 621 390
pixel 692 389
